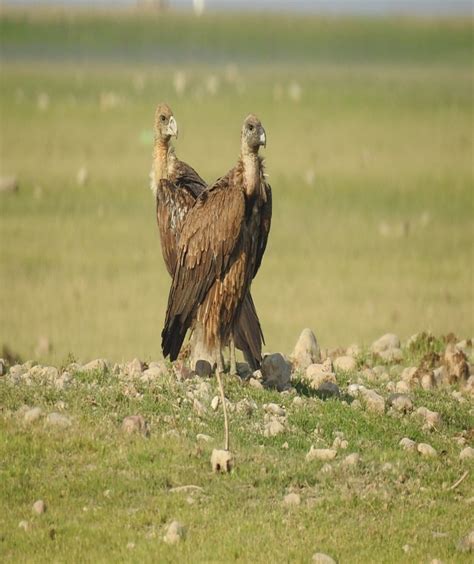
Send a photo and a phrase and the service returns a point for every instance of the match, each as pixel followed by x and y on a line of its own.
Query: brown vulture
pixel 220 250
pixel 177 186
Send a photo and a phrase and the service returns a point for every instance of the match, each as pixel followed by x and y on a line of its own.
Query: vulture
pixel 177 187
pixel 219 251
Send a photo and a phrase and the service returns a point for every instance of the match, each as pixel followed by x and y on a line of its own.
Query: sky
pixel 377 7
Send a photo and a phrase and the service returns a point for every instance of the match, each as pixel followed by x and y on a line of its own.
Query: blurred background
pixel 368 108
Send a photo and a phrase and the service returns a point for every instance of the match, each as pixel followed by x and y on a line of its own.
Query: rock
pixel 345 363
pixel 402 387
pixel 351 459
pixel 321 454
pixel 285 445
pixel 246 406
pixel 199 408
pixel 353 350
pixel 306 350
pixel 221 460
pixel 455 362
pixel 24 525
pixel 467 453
pixel 99 365
pixel 153 373
pixel 466 544
pixel 432 418
pixel 426 450
pixel 292 499
pixel 328 390
pixel 203 437
pixel 175 532
pixel 8 184
pixel 274 409
pixel 385 343
pixel 215 403
pixel 391 355
pixel 373 401
pixel 58 420
pixel 407 444
pixel 316 374
pixel 3 367
pixel 32 415
pixel 298 401
pixel 134 368
pixel 409 375
pixel 39 507
pixel 203 368
pixel 276 372
pixel 321 558
pixel 427 379
pixel 400 402
pixel 135 424
pixel 273 427
pixel 254 383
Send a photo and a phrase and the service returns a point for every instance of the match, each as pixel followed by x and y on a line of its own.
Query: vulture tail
pixel 172 338
pixel 248 336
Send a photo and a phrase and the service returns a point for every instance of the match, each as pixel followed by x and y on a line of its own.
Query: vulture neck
pixel 251 164
pixel 161 154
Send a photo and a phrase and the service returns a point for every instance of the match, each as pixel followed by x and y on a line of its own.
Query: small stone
pixel 215 403
pixel 203 368
pixel 328 390
pixel 316 374
pixel 204 438
pixel 175 532
pixel 345 363
pixel 427 379
pixel 8 184
pixel 400 402
pixel 467 453
pixel 153 373
pixel 407 444
pixel 432 418
pixel 306 350
pixel 130 545
pixel 285 445
pixel 406 548
pixel 274 409
pixel 353 350
pixel 391 355
pixel 373 401
pixel 426 450
pixel 58 420
pixel 321 454
pixel 199 408
pixel 39 507
pixel 466 544
pixel 384 343
pixel 351 459
pixel 3 367
pixel 221 461
pixel 135 424
pixel 32 415
pixel 254 383
pixel 273 427
pixel 292 499
pixel 99 365
pixel 409 374
pixel 455 362
pixel 321 558
pixel 402 387
pixel 276 372
pixel 24 525
pixel 298 401
pixel 134 368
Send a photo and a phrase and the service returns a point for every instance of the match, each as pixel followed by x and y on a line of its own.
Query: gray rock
pixel 432 418
pixel 135 424
pixel 351 459
pixel 99 365
pixel 292 499
pixel 276 372
pixel 385 343
pixel 274 409
pixel 152 374
pixel 321 454
pixel 273 427
pixel 32 415
pixel 316 374
pixel 321 558
pixel 221 461
pixel 466 544
pixel 134 368
pixel 400 402
pixel 391 355
pixel 467 453
pixel 203 368
pixel 204 438
pixel 426 450
pixel 328 390
pixel 306 350
pixel 409 375
pixel 345 363
pixel 407 444
pixel 373 401
pixel 175 532
pixel 254 383
pixel 58 420
pixel 199 408
pixel 39 507
pixel 402 387
pixel 298 401
pixel 8 184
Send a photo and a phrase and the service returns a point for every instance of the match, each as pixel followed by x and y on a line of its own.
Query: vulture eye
pixel 162 117
pixel 251 127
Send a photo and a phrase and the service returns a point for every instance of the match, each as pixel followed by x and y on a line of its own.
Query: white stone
pixel 274 409
pixel 426 450
pixel 39 507
pixel 345 363
pixel 384 343
pixel 254 383
pixel 321 454
pixel 273 427
pixel 215 403
pixel 467 453
pixel 58 420
pixel 316 374
pixel 321 558
pixel 32 415
pixel 432 418
pixel 407 444
pixel 351 459
pixel 292 499
pixel 391 355
pixel 306 350
pixel 203 437
pixel 175 532
pixel 99 364
pixel 402 387
pixel 373 401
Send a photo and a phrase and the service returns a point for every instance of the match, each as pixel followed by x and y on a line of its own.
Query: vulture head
pixel 253 134
pixel 165 124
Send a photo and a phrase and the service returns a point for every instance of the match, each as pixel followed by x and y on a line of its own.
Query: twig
pixel 461 479
pixel 226 423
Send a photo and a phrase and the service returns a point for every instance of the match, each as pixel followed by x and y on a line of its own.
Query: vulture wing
pixel 209 241
pixel 264 227
pixel 187 178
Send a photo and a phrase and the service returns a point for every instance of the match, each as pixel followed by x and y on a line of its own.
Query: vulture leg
pixel 224 408
pixel 233 362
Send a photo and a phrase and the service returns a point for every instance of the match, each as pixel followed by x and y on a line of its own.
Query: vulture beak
pixel 172 127
pixel 263 138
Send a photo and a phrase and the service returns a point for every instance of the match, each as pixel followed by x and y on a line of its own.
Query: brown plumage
pixel 219 252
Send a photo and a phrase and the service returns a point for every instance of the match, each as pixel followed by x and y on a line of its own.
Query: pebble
pixel 402 387
pixel 298 401
pixel 373 401
pixel 427 379
pixel 432 418
pixel 328 390
pixel 466 544
pixel 215 403
pixel 321 454
pixel 135 424
pixel 400 402
pixel 221 460
pixel 407 444
pixel 134 368
pixel 345 363
pixel 24 525
pixel 276 372
pixel 199 408
pixel 39 507
pixel 274 409
pixel 426 450
pixel 273 427
pixel 32 415
pixel 99 364
pixel 467 453
pixel 8 184
pixel 175 532
pixel 152 373
pixel 203 437
pixel 353 350
pixel 292 499
pixel 316 374
pixel 3 367
pixel 203 368
pixel 306 350
pixel 391 355
pixel 351 459
pixel 322 558
pixel 384 343
pixel 58 420
pixel 254 383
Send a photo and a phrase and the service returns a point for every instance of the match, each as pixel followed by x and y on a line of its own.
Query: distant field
pixel 369 126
